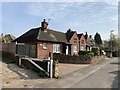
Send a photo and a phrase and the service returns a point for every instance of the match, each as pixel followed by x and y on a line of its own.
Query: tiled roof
pixel 8 38
pixel 69 35
pixel 90 41
pixel 80 35
pixel 37 34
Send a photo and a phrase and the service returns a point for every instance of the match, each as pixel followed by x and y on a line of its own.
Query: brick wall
pixel 43 53
pixel 55 69
pixel 80 44
pixel 74 42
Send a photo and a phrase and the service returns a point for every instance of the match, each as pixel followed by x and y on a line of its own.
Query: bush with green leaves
pixel 42 74
pixel 96 51
pixel 58 77
pixel 86 53
pixel 8 57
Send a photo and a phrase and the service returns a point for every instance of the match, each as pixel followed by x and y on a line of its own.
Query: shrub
pixel 8 58
pixel 86 53
pixel 96 51
pixel 42 74
pixel 58 77
pixel 115 54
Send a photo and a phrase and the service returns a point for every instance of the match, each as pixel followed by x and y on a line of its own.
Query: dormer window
pixel 75 40
pixel 75 49
pixel 82 42
pixel 45 46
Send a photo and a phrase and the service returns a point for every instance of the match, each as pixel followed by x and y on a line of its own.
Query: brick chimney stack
pixel 69 30
pixel 44 25
pixel 90 36
pixel 86 36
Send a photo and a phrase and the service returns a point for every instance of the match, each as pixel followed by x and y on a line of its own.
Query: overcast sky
pixel 91 17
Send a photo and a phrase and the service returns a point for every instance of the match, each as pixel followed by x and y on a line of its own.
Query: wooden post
pixel 51 68
pixel 20 61
pixel 48 68
pixel 51 64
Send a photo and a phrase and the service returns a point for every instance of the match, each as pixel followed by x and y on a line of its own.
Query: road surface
pixel 101 75
pixel 106 77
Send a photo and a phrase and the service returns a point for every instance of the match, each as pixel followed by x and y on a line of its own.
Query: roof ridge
pixel 56 31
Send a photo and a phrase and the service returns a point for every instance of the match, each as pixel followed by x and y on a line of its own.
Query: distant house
pixel 82 42
pixel 89 42
pixel 7 38
pixel 77 42
pixel 73 39
pixel 42 41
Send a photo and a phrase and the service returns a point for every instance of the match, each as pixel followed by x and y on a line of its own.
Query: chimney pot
pixel 43 20
pixel 90 36
pixel 69 30
pixel 44 24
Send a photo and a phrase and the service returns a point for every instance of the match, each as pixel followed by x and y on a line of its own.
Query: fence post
pixel 51 68
pixel 48 68
pixel 19 61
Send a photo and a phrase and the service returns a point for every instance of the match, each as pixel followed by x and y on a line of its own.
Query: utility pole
pixel 111 40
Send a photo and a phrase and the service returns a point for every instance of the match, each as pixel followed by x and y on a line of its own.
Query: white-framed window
pixel 75 40
pixel 82 47
pixel 56 48
pixel 45 46
pixel 75 49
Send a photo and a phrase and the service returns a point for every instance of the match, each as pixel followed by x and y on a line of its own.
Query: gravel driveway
pixel 15 77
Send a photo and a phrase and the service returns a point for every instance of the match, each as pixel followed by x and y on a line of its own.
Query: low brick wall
pixel 55 69
pixel 82 59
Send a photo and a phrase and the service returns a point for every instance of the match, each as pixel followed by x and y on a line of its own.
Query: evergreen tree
pixel 98 39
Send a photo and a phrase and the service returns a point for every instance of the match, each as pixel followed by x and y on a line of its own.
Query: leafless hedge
pixel 82 59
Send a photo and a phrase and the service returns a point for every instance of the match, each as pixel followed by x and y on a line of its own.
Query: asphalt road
pixel 105 77
pixel 102 75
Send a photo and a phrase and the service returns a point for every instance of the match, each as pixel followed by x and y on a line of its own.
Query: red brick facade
pixel 45 53
pixel 75 42
pixel 82 43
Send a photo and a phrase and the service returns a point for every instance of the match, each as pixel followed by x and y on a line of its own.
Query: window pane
pixel 44 45
pixel 75 48
pixel 56 48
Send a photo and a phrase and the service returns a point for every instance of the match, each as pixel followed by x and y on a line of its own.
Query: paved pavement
pixel 102 75
pixel 69 68
pixel 0 74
